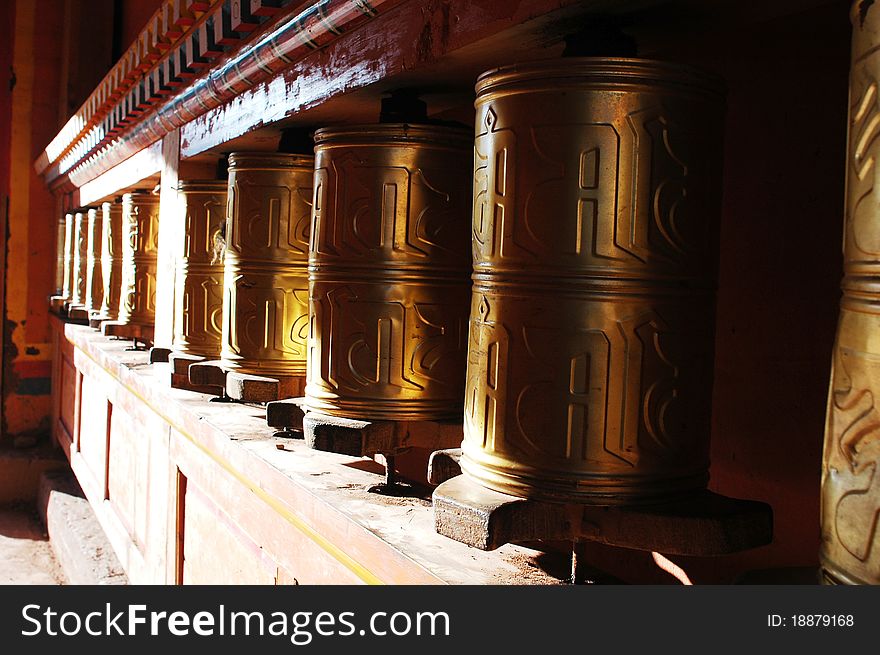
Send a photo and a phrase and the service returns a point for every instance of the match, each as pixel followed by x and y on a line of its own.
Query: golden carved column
pixel 265 303
pixel 94 277
pixel 596 211
pixel 63 263
pixel 389 272
pixel 111 259
pixel 198 287
pixel 850 552
pixel 140 233
pixel 78 266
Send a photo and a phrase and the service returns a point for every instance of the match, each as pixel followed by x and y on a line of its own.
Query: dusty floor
pixel 25 555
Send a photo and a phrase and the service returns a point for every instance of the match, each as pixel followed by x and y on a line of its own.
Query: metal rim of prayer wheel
pixel 596 212
pixel 94 276
pixel 389 272
pixel 80 255
pixel 111 258
pixel 265 296
pixel 198 287
pixel 850 487
pixel 140 237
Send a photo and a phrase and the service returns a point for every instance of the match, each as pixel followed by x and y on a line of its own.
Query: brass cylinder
pixel 80 257
pixel 198 286
pixel 389 272
pixel 60 254
pixel 850 498
pixel 111 259
pixel 596 211
pixel 140 228
pixel 69 247
pixel 265 279
pixel 94 276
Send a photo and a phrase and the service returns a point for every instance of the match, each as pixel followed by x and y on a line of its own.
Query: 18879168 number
pixel 822 620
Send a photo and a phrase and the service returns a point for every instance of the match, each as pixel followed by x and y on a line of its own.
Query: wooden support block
pixel 701 524
pixel 208 373
pixel 159 355
pixel 78 313
pixel 180 363
pixel 468 512
pixel 56 305
pixel 285 414
pixel 364 438
pixel 259 389
pixel 127 331
pixel 444 465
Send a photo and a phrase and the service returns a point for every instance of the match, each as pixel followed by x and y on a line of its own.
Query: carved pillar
pixel 60 254
pixel 389 272
pixel 596 211
pixel 850 552
pixel 140 228
pixel 67 288
pixel 61 293
pixel 265 303
pixel 80 256
pixel 94 277
pixel 198 287
pixel 111 259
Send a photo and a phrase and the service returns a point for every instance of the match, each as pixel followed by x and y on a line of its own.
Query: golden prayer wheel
pixel 198 287
pixel 389 272
pixel 69 246
pixel 94 277
pixel 595 221
pixel 60 254
pixel 850 498
pixel 80 257
pixel 111 259
pixel 265 299
pixel 140 230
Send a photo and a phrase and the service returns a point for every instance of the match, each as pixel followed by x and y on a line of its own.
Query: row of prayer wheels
pixel 549 282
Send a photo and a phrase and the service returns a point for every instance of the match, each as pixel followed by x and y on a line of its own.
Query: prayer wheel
pixel 389 272
pixel 198 286
pixel 60 255
pixel 265 299
pixel 140 229
pixel 850 498
pixel 80 257
pixel 69 246
pixel 111 259
pixel 94 277
pixel 595 221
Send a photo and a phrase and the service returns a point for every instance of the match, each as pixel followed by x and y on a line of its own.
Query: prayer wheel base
pixel 704 524
pixel 133 331
pixel 180 364
pixel 359 438
pixel 56 305
pixel 244 387
pixel 78 313
pixel 97 320
pixel 286 414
